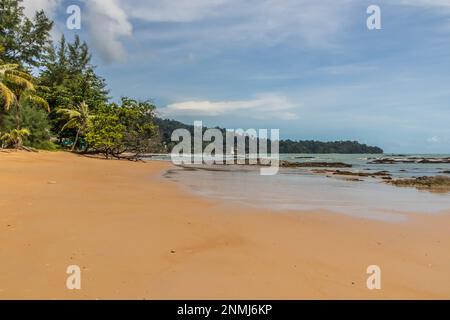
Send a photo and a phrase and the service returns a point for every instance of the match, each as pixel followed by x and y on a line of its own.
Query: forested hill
pixel 166 127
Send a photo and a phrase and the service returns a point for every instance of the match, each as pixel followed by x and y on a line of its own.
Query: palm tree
pixel 12 82
pixel 14 138
pixel 17 89
pixel 78 118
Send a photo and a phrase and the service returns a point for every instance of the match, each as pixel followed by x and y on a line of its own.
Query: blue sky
pixel 308 67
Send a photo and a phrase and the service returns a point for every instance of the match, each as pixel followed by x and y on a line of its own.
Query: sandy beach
pixel 136 235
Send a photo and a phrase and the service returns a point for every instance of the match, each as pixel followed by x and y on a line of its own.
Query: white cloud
pixel 207 24
pixel 263 106
pixel 108 23
pixel 425 3
pixel 171 11
pixel 49 6
pixel 434 139
pixel 312 23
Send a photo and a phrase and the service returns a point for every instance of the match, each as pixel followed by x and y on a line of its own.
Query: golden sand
pixel 136 235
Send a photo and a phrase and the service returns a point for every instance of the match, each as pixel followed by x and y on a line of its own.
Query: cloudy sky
pixel 308 67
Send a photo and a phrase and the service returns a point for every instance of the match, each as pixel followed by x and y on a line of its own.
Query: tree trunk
pixel 76 140
pixel 17 116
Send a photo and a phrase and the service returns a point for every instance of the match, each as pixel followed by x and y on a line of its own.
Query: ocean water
pixel 297 189
pixel 361 162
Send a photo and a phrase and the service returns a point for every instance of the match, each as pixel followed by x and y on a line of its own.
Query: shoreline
pixel 121 222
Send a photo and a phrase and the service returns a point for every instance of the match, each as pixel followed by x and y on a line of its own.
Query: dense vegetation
pixel 52 98
pixel 166 127
pixel 65 104
pixel 310 146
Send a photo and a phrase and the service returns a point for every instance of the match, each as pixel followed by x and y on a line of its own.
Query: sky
pixel 310 68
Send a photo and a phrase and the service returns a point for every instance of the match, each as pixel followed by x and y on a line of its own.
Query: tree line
pixel 166 127
pixel 51 96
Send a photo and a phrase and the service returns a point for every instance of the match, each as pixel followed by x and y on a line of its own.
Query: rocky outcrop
pixel 437 183
pixel 409 160
pixel 288 164
pixel 382 174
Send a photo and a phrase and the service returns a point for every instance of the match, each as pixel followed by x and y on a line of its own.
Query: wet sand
pixel 136 235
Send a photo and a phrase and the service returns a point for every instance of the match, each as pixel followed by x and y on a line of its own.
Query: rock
pixel 446 160
pixel 173 251
pixel 381 173
pixel 410 160
pixel 390 161
pixel 446 172
pixel 350 173
pixel 51 182
pixel 437 183
pixel 287 164
pixel 353 180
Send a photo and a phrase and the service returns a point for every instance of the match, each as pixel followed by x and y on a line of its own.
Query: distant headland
pixel 166 127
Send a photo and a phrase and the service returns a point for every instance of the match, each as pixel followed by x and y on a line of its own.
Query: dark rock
pixel 382 161
pixel 350 173
pixel 287 164
pixel 434 161
pixel 381 173
pixel 437 183
pixel 353 180
pixel 391 161
pixel 410 160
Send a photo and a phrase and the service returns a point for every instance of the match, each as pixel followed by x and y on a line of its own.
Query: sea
pixel 300 189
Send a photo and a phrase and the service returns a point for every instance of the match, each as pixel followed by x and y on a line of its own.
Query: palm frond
pixel 7 67
pixel 21 74
pixel 7 95
pixel 38 101
pixel 15 80
pixel 77 117
pixel 15 137
pixel 69 113
pixel 71 124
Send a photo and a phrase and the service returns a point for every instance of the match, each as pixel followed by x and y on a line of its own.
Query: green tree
pixel 78 119
pixel 14 138
pixel 25 40
pixel 12 83
pixel 128 128
pixel 71 78
pixel 17 90
pixel 105 132
pixel 139 120
pixel 36 121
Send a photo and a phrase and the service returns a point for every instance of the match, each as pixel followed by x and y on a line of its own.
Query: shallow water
pixel 361 162
pixel 299 189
